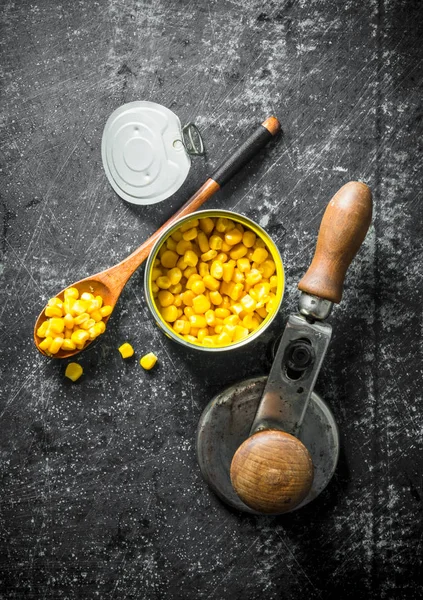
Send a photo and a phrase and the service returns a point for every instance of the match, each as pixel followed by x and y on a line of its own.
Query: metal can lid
pixel 143 152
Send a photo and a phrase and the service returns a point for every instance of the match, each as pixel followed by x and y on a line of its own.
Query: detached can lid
pixel 144 153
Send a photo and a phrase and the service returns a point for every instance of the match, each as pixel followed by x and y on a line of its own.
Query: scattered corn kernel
pixel 126 350
pixel 73 371
pixel 148 361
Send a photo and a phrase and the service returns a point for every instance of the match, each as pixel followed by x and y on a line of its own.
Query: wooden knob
pixel 272 472
pixel 342 231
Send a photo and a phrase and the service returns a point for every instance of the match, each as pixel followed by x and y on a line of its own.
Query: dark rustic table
pixel 101 495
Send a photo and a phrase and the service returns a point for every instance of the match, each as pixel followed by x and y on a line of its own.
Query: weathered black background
pixel 101 495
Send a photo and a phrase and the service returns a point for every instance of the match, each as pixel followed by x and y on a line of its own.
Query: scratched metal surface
pixel 101 495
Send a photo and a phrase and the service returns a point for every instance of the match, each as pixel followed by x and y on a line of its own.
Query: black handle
pixel 257 140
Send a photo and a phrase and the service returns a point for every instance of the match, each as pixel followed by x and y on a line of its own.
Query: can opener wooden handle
pixel 272 471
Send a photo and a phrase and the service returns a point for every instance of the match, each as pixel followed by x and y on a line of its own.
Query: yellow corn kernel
pixel 211 283
pixel 81 318
pixel 249 238
pixel 226 302
pixel 175 275
pixel 194 332
pixel 237 309
pixel 223 339
pixel 238 276
pixel 250 253
pixel 165 298
pixel 203 269
pixel 198 321
pixel 253 277
pixel 216 269
pixel 187 297
pixel 259 243
pixel 175 289
pixel 215 242
pixel 190 234
pixel 187 274
pixel 53 311
pixel 45 344
pixel 223 224
pixel 181 264
pixel 189 225
pixel 41 331
pixel 189 311
pixel 210 317
pixel 271 304
pixel 169 313
pixel 56 324
pixel 203 242
pixel 209 255
pixel 273 282
pixel 148 361
pixel 92 305
pixel 71 293
pixel 80 336
pixel 191 279
pixel 222 313
pixel 183 246
pixel 228 271
pixel 208 341
pixel 198 287
pixel 182 327
pixel 262 289
pixel 190 258
pixel 169 259
pixel 201 304
pixel 248 303
pixel 240 333
pixel 236 291
pixel 87 296
pixel 202 333
pixel 96 315
pixel 260 255
pixel 68 306
pixel 79 307
pixel 216 298
pixel 250 322
pixel 240 227
pixel 154 287
pixel 67 344
pixel 233 237
pixel 243 265
pixel 126 350
pixel 207 225
pixel 230 330
pixel 92 333
pixel 73 371
pixel 68 334
pixel 106 310
pixel 99 301
pixel 231 320
pixel 155 273
pixel 100 327
pixel 238 251
pixel 267 268
pixel 87 324
pixel 178 300
pixel 262 312
pixel 176 235
pixel 170 244
pixel 222 257
pixel 55 345
pixel 163 283
pixel 226 247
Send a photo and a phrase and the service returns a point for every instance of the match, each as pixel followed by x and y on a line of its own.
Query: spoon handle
pixel 257 140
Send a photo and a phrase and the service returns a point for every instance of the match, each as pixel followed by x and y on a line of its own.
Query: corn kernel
pixel 250 322
pixel 56 324
pixel 230 330
pixel 182 327
pixel 148 361
pixel 248 303
pixel 203 269
pixel 181 264
pixel 238 276
pixel 169 313
pixel 165 298
pixel 222 257
pixel 67 344
pixel 191 234
pixel 73 371
pixel 87 324
pixel 71 293
pixel 207 225
pixel 271 304
pixel 237 308
pixel 267 268
pixel 163 282
pixel 203 242
pixel 155 273
pixel 210 317
pixel 175 275
pixel 208 255
pixel 126 350
pixel 79 336
pixel 41 331
pixel 189 225
pixel 81 318
pixel 175 289
pixel 243 265
pixel 259 243
pixel 236 291
pixel 211 283
pixel 238 251
pixel 253 277
pixel 216 269
pixel 79 307
pixel 96 315
pixel 216 298
pixel 260 255
pixel 190 258
pixel 189 311
pixel 188 297
pixel 198 287
pixel 222 313
pixel 208 341
pixel 53 311
pixel 224 339
pixel 240 333
pixel 169 259
pixel 106 310
pixel 224 224
pixel 183 246
pixel 68 334
pixel 233 237
pixel 249 238
pixel 231 320
pixel 55 345
pixel 170 244
pixel 273 282
pixel 191 279
pixel 45 344
pixel 201 304
pixel 202 333
pixel 198 321
pixel 215 242
pixel 100 327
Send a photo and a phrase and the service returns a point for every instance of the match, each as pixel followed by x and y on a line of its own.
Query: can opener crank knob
pixel 276 467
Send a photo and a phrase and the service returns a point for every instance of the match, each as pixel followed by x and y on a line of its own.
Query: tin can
pixel 260 233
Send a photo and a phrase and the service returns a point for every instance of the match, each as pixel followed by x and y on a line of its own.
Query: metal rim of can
pixel 260 232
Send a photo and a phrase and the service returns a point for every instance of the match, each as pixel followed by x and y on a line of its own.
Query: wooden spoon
pixel 110 283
